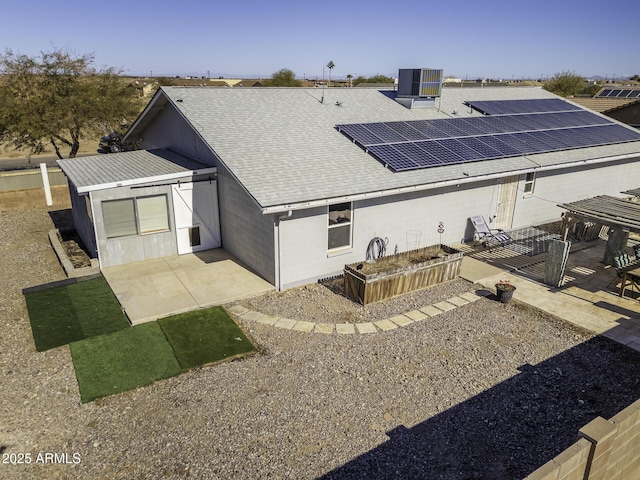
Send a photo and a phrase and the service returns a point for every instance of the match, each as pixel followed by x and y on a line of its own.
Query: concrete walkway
pixel 157 288
pixel 385 325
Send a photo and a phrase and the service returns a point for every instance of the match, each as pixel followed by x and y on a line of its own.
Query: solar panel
pixel 406 130
pixel 509 107
pixel 418 155
pixel 494 143
pixel 494 124
pixel 482 148
pixel 360 134
pixel 428 128
pixel 415 144
pixel 449 127
pixel 476 125
pixel 617 93
pixel 393 158
pixel 460 148
pixel 387 134
pixel 516 142
pixel 442 153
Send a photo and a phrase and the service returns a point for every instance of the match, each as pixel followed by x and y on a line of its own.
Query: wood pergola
pixel 621 215
pixel 606 210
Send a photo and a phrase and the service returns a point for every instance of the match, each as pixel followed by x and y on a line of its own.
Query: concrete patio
pixel 157 288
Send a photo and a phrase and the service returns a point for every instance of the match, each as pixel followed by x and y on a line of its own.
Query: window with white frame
pixel 529 182
pixel 133 216
pixel 340 222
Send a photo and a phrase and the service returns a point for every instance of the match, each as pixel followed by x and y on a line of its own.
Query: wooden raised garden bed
pixel 404 272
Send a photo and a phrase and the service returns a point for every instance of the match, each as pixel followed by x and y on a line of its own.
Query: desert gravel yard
pixel 486 391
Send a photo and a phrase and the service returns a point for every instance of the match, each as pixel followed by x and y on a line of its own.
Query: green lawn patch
pixel 204 336
pixel 73 311
pixel 122 361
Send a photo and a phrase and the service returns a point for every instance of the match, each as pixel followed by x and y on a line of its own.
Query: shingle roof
pixel 281 143
pixel 140 166
pixel 603 105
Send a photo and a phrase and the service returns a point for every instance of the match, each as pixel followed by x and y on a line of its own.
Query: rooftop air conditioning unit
pixel 419 87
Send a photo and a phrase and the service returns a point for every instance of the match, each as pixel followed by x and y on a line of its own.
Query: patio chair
pixel 485 234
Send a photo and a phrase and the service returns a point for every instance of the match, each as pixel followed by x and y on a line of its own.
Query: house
pixel 622 103
pixel 296 182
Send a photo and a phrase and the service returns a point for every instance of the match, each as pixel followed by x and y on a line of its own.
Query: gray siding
pixel 246 232
pixel 135 248
pixel 82 220
pixel 170 129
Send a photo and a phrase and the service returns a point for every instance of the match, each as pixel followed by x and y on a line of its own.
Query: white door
pixel 195 208
pixel 507 194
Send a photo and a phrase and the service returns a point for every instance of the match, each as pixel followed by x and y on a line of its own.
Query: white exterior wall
pixel 564 186
pixel 303 237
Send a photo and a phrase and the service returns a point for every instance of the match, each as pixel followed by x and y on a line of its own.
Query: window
pixel 152 214
pixel 529 182
pixel 133 216
pixel 119 218
pixel 339 226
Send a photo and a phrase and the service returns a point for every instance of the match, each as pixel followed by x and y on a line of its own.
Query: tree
pixel 284 78
pixel 59 99
pixel 566 84
pixel 350 77
pixel 330 66
pixel 375 79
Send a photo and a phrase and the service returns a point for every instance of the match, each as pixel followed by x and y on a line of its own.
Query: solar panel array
pixel 417 144
pixel 618 93
pixel 509 107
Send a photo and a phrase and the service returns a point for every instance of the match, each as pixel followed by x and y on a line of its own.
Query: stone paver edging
pixel 364 328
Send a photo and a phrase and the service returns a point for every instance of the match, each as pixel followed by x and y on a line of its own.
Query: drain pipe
pixel 279 218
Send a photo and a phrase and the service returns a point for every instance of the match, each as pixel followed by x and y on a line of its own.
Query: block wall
pixel 606 450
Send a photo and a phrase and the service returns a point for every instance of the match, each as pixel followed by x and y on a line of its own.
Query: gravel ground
pixel 485 391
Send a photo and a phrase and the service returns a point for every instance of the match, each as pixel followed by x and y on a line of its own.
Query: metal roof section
pixel 104 171
pixel 281 144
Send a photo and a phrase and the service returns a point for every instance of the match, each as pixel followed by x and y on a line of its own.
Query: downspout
pixel 278 249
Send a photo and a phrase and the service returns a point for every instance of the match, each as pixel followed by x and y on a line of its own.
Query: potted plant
pixel 504 291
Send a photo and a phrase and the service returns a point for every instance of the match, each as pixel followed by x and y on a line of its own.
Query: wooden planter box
pixel 401 273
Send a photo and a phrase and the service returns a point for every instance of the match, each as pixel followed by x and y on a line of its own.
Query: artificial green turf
pixel 204 336
pixel 122 361
pixel 64 314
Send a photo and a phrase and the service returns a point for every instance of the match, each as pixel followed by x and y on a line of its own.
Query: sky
pixel 467 39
